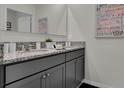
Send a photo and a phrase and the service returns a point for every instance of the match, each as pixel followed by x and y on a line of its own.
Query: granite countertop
pixel 23 56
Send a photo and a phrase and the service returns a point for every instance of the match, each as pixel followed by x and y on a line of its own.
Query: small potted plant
pixel 49 43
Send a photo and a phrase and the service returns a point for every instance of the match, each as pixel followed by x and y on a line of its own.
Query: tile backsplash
pixel 61 42
pixel 25 45
pixel 32 45
pixel 1 50
pixel 42 44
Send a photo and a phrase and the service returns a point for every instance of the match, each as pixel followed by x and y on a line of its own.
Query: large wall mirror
pixel 44 18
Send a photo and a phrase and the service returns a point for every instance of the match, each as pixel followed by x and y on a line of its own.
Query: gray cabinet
pixel 70 74
pixel 30 82
pixel 54 78
pixel 18 71
pixel 79 70
pixel 74 72
pixel 58 71
pixel 74 54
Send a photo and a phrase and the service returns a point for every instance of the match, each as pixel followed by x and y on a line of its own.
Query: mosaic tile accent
pixel 43 45
pixel 61 42
pixel 25 45
pixel 1 50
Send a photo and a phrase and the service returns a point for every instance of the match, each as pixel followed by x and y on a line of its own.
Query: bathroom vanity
pixel 56 69
pixel 40 67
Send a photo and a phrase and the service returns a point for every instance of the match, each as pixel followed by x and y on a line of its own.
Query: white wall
pixel 104 56
pixel 15 36
pixel 75 32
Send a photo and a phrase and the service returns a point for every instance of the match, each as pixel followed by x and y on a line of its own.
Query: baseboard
pixel 100 85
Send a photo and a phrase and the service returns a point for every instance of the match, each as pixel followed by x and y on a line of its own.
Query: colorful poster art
pixel 110 20
pixel 42 23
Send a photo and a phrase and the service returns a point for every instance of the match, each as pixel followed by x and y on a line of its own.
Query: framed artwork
pixel 9 26
pixel 42 24
pixel 110 20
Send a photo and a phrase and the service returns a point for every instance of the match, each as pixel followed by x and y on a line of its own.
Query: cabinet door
pixel 70 74
pixel 43 80
pixel 79 70
pixel 18 71
pixel 54 78
pixel 30 82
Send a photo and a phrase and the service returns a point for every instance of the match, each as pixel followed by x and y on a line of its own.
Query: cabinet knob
pixel 44 76
pixel 48 74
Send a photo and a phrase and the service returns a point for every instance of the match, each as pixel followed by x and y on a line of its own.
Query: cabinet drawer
pixel 18 71
pixel 74 54
pixel 30 82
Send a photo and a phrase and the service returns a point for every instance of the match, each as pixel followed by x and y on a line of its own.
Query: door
pixel 54 78
pixel 79 70
pixel 30 82
pixel 70 74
